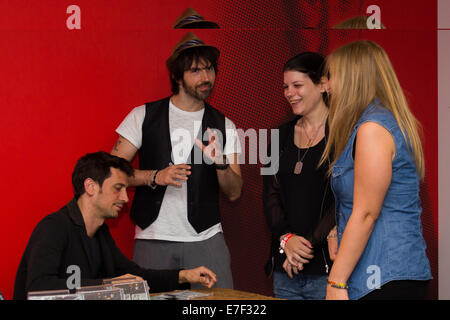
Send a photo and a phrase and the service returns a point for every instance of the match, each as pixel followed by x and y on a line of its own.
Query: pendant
pixel 298 167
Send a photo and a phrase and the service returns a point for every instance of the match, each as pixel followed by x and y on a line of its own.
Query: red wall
pixel 63 92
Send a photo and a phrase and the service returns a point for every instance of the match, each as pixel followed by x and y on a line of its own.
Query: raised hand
pixel 214 149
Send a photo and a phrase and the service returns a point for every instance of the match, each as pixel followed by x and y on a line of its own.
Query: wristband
pixel 223 166
pixel 337 285
pixel 152 181
pixel 284 241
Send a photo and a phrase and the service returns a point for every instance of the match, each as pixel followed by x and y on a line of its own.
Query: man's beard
pixel 196 93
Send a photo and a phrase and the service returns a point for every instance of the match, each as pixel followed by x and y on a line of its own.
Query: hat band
pixel 194 17
pixel 190 43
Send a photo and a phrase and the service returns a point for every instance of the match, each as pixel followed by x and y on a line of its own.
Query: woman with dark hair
pixel 298 202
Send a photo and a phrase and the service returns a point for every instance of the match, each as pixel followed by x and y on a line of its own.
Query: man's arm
pixel 230 179
pixel 125 149
pixel 158 280
pixel 171 175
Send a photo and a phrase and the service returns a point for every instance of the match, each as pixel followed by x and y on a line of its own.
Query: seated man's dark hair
pixel 97 167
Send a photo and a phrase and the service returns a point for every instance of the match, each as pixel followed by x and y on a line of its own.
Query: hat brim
pixel 200 24
pixel 176 54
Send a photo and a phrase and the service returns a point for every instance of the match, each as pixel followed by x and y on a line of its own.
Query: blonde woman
pixel 377 165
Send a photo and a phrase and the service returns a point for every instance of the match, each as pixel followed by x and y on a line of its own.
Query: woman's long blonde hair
pixel 360 72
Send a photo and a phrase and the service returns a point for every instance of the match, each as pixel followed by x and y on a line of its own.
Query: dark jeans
pixel 400 290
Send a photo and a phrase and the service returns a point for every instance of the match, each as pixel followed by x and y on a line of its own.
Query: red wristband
pixel 284 241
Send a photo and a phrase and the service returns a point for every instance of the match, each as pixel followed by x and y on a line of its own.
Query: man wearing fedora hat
pixel 182 167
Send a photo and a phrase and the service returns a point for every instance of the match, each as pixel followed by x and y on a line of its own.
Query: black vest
pixel 156 153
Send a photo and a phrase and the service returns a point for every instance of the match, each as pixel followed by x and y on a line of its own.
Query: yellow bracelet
pixel 337 285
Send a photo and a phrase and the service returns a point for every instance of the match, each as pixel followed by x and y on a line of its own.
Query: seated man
pixel 76 235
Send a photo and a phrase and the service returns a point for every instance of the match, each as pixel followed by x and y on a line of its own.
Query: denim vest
pixel 396 248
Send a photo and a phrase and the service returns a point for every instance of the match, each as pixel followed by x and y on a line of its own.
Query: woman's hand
pixel 298 251
pixel 290 269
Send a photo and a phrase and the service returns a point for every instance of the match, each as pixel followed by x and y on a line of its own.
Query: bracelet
pixel 337 285
pixel 332 235
pixel 222 166
pixel 284 241
pixel 152 181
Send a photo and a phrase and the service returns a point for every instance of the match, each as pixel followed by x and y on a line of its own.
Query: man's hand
pixel 198 275
pixel 125 278
pixel 230 179
pixel 213 150
pixel 172 175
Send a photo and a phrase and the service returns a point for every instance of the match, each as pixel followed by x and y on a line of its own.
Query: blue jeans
pixel 301 287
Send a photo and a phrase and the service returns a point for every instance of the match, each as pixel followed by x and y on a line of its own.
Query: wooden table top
pixel 227 294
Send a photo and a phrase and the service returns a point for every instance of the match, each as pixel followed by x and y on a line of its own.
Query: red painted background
pixel 63 92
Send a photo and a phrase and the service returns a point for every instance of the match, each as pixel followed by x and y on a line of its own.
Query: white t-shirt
pixel 172 223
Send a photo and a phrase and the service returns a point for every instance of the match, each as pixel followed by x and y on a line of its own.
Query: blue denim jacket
pixel 396 248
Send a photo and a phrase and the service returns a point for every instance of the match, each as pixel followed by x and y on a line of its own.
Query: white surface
pixel 444 147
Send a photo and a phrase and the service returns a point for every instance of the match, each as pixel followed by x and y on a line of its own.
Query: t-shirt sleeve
pixel 233 144
pixel 131 126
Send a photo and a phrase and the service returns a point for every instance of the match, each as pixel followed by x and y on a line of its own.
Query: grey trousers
pixel 212 253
